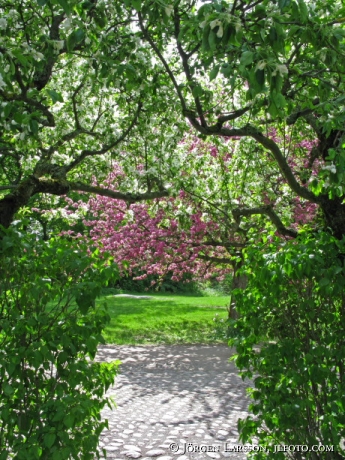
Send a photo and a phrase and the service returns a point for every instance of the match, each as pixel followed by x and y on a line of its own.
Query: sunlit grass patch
pixel 165 318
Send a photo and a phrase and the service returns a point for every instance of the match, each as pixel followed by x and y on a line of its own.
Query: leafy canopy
pixel 83 84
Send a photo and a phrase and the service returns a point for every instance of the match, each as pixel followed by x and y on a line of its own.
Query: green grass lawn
pixel 166 318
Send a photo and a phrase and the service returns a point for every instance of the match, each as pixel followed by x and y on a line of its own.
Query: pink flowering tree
pixel 210 217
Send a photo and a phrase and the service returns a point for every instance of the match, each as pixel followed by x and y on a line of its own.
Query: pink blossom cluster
pixel 304 212
pixel 150 238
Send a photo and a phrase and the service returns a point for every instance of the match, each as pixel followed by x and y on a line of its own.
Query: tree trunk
pixel 239 281
pixel 334 212
pixel 11 203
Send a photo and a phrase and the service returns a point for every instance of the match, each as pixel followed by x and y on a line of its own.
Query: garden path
pixel 173 400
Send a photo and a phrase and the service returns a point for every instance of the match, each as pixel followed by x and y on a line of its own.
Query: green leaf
pixel 65 5
pixel 8 389
pixel 197 91
pixel 272 110
pixel 324 282
pixel 33 126
pixel 20 57
pixel 214 72
pixel 100 19
pixel 303 10
pixel 273 34
pixel 284 4
pixel 55 96
pixel 247 58
pixel 212 40
pixel 74 39
pixel 85 302
pixel 136 4
pixel 18 118
pixel 205 43
pixel 260 77
pixel 7 109
pixel 69 420
pixel 49 439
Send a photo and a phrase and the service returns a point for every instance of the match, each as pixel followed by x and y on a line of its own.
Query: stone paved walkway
pixel 173 401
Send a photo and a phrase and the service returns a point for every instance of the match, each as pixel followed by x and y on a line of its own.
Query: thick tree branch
pixel 32 185
pixel 42 76
pixel 232 116
pixel 128 197
pixel 269 212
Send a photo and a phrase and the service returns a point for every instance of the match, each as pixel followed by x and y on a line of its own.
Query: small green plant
pixel 51 390
pixel 291 338
pixel 221 327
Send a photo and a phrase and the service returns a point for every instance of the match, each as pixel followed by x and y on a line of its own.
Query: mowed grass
pixel 165 319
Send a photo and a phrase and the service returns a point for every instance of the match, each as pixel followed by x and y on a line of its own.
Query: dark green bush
pixel 51 392
pixel 161 284
pixel 290 339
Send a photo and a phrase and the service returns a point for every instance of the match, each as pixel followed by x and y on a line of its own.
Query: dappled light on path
pixel 169 397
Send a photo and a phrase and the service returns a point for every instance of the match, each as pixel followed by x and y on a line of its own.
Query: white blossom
pixel 37 55
pixel 220 31
pixel 330 168
pixel 2 83
pixel 280 69
pixel 215 23
pixel 238 25
pixel 13 14
pixel 66 25
pixel 3 23
pixel 59 44
pixel 168 10
pixel 261 65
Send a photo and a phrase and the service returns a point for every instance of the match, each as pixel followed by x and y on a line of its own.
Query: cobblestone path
pixel 174 402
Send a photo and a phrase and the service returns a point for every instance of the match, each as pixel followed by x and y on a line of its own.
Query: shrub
pixel 51 392
pixel 290 338
pixel 154 283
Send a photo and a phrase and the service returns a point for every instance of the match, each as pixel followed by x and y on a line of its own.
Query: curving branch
pixel 21 194
pixel 269 212
pixel 232 116
pixel 127 197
